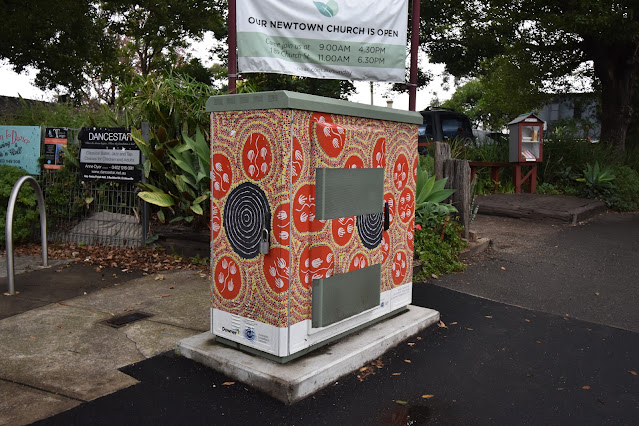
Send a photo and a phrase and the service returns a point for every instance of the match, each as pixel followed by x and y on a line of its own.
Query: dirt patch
pixel 512 235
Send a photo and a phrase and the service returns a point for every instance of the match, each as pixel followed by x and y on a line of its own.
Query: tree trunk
pixel 616 67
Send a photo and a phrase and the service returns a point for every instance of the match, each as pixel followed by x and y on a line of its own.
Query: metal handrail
pixel 9 226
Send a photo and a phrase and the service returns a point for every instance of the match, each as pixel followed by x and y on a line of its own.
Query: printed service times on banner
pixel 343 39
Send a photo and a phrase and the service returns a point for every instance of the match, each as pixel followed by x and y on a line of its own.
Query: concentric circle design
pixel 244 213
pixel 370 227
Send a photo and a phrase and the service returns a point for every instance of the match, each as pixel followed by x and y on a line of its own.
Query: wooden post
pixel 458 173
pixel 441 154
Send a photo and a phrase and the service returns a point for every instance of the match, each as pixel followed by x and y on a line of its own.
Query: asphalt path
pixel 505 354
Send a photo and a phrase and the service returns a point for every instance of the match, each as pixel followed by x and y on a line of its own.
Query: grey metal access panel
pixel 348 192
pixel 344 295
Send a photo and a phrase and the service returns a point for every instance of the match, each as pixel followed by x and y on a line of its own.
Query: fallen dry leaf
pixel 503 268
pixel 159 277
pixel 228 383
pixel 453 323
pixel 401 402
pixel 585 387
pixel 171 288
pixel 165 295
pixel 397 374
pixel 411 344
pixel 527 320
pixel 441 324
pixel 419 338
pixel 427 396
pixel 407 360
pixel 469 329
pixel 634 373
pixel 434 276
pixel 32 337
pixel 488 316
pixel 62 303
pixel 596 293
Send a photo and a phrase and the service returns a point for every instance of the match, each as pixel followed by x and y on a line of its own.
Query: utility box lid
pixel 284 99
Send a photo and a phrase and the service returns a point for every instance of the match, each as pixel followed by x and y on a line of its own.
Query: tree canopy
pixel 76 46
pixel 546 41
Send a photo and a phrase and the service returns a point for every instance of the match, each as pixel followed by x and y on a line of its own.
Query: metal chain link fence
pixel 91 212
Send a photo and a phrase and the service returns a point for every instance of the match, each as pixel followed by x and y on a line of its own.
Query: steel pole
pixel 414 44
pixel 232 42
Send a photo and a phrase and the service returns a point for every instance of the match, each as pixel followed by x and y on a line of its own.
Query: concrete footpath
pixel 507 354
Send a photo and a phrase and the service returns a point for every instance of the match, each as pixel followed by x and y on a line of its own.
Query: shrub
pixel 26 212
pixel 625 196
pixel 598 181
pixel 438 249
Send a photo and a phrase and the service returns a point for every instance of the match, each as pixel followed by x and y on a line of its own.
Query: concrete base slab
pixel 23 405
pixel 306 375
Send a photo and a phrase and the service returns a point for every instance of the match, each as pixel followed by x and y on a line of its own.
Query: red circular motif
pixel 304 210
pixel 406 207
pixel 331 136
pixel 385 245
pixel 282 224
pixel 315 263
pixel 359 262
pixel 228 279
pixel 400 172
pixel 297 160
pixel 256 156
pixel 276 269
pixel 342 229
pixel 399 267
pixel 379 153
pixel 388 198
pixel 354 162
pixel 410 236
pixel 216 219
pixel 221 175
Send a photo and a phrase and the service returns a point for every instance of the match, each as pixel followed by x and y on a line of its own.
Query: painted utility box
pixel 312 213
pixel 525 143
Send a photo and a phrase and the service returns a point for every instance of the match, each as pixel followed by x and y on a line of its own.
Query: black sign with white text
pixel 109 153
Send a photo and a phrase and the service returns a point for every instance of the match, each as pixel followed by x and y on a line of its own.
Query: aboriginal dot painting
pixel 263 171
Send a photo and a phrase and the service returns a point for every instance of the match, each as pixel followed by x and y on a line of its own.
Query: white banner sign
pixel 343 39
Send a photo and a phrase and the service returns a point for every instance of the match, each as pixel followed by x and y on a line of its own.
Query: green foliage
pixel 438 249
pixel 26 212
pixel 503 91
pixel 180 182
pixel 61 187
pixel 427 164
pixel 430 194
pixel 169 101
pixel 60 40
pixel 598 181
pixel 539 46
pixel 625 195
pixel 338 89
pixel 547 189
pixel 59 115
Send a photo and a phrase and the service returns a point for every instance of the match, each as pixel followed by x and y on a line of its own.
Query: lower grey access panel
pixel 344 295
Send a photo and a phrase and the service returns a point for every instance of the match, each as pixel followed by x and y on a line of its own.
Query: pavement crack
pixel 26 385
pixel 137 347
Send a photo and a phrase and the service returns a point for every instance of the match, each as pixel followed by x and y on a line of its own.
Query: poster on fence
pixel 55 144
pixel 20 147
pixel 341 39
pixel 109 153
